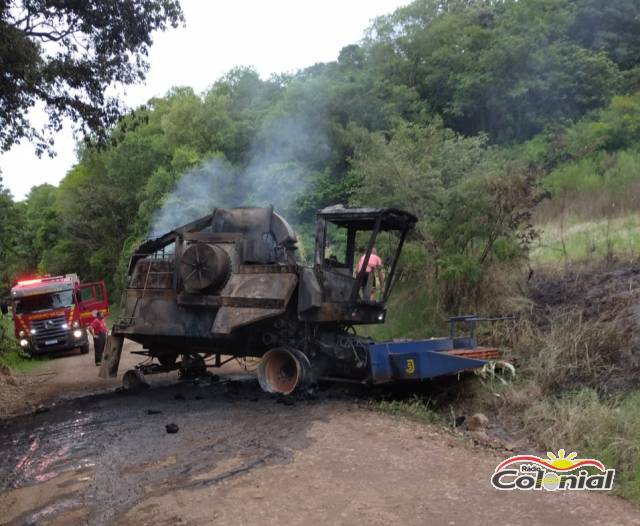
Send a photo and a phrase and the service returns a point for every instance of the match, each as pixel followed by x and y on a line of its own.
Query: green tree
pixel 66 54
pixel 42 225
pixel 473 206
pixel 11 239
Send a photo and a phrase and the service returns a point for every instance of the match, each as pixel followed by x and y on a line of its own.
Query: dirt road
pixel 64 376
pixel 243 457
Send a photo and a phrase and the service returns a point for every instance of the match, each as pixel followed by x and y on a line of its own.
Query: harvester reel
pixel 204 266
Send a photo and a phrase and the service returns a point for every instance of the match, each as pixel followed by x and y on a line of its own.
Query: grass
pixel 573 391
pixel 11 356
pixel 410 314
pixel 115 311
pixel 578 240
pixel 416 408
pixel 17 362
pixel 593 426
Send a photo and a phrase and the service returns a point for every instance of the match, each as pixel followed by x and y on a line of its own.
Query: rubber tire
pixel 167 360
pixel 84 349
pixel 133 380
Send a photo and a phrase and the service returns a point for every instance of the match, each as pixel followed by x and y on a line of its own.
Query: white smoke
pixel 282 161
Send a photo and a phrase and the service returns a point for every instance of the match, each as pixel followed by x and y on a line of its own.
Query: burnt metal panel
pixel 365 218
pixel 156 312
pixel 152 274
pixel 260 285
pixel 267 269
pixel 251 222
pixel 153 245
pixel 246 288
pixel 349 313
pixel 309 291
pixel 337 284
pixel 212 237
pixel 210 300
pixel 230 318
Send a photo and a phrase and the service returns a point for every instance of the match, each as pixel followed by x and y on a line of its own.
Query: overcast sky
pixel 272 36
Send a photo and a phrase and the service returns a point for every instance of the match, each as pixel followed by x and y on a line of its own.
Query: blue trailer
pixel 423 359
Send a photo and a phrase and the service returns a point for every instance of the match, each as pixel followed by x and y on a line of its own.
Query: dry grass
pixel 577 372
pixel 571 351
pixel 605 428
pixel 589 241
pixel 585 206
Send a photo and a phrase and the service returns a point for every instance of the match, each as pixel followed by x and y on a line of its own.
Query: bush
pixel 473 205
pixel 9 348
pixel 415 408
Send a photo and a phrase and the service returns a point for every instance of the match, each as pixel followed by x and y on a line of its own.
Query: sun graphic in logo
pixel 561 460
pixel 559 463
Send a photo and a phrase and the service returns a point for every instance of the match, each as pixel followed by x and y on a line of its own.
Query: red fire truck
pixel 51 314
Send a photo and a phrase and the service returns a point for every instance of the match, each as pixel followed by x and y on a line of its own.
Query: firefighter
pixel 374 268
pixel 98 330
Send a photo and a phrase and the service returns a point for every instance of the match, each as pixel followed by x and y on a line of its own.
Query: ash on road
pixel 241 457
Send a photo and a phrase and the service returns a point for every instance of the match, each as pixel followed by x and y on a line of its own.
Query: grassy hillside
pixel 588 240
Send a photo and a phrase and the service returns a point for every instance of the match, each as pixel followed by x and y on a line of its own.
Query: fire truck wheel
pixel 85 348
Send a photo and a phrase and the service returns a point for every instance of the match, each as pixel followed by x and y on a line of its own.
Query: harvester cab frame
pixel 355 220
pixel 230 285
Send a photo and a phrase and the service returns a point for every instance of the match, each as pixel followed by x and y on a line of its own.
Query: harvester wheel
pixel 282 370
pixel 133 379
pixel 167 359
pixel 192 366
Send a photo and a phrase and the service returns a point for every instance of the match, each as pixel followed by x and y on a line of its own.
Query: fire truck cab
pixel 50 314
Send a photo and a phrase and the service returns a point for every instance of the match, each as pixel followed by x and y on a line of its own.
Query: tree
pixel 42 224
pixel 11 227
pixel 473 206
pixel 612 26
pixel 65 55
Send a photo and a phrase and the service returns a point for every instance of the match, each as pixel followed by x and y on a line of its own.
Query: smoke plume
pixel 281 162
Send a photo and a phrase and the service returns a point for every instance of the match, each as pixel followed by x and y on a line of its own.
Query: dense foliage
pixel 453 109
pixel 65 55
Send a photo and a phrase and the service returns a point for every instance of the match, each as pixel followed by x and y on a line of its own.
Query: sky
pixel 274 37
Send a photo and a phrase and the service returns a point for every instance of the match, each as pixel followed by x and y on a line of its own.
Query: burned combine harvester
pixel 230 285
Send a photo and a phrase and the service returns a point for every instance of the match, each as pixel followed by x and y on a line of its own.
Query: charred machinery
pixel 230 285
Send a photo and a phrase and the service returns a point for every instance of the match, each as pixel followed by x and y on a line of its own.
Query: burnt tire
pixel 282 370
pixel 133 380
pixel 167 359
pixel 192 366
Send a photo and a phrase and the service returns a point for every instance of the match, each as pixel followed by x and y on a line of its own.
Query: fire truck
pixel 51 313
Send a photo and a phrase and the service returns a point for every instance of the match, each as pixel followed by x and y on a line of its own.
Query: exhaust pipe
pixel 281 370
